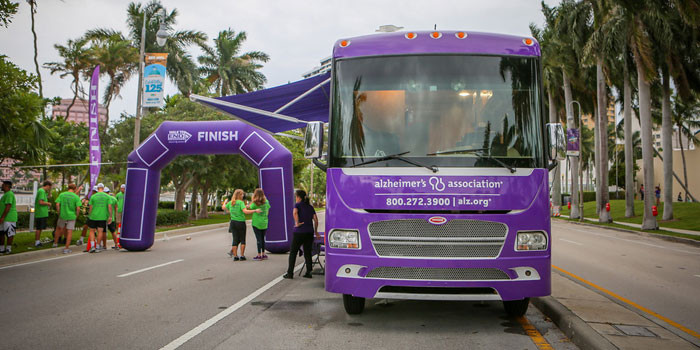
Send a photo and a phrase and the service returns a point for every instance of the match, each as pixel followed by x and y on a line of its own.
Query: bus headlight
pixel 531 240
pixel 348 239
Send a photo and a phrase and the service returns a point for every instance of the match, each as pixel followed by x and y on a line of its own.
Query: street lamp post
pixel 161 37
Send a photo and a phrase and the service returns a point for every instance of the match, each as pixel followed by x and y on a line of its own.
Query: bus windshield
pixel 443 110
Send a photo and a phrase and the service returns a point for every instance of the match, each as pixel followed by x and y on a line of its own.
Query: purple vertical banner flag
pixel 95 155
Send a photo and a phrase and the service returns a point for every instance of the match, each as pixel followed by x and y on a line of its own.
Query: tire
pixel 516 308
pixel 353 305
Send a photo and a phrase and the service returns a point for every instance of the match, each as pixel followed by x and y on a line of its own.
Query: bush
pixel 169 217
pixel 166 205
pixel 589 196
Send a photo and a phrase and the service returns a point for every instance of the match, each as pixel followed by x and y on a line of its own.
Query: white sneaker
pixel 54 245
pixel 79 242
pixel 66 251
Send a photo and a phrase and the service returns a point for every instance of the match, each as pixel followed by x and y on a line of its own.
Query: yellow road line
pixel 631 303
pixel 534 334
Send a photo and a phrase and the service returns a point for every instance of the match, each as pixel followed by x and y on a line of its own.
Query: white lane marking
pixel 151 268
pixel 566 240
pixel 221 315
pixel 38 261
pixel 634 241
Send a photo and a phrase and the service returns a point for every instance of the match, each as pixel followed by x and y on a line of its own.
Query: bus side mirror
pixel 557 141
pixel 313 140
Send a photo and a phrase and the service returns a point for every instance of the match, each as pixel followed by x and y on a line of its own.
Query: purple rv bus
pixel 437 169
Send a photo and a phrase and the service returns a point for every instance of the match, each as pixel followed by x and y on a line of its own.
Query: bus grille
pixel 418 238
pixel 438 274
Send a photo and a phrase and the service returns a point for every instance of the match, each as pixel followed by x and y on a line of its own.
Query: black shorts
pixel 112 227
pixel 97 224
pixel 40 223
pixel 237 229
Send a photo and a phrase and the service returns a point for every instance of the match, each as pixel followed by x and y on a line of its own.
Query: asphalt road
pixel 657 274
pixel 177 289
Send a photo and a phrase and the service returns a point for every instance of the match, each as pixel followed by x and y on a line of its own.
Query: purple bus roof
pixel 397 43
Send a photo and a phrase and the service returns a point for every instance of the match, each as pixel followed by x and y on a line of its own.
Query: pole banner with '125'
pixel 153 79
pixel 95 156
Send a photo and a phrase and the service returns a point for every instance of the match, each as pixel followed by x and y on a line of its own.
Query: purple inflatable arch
pixel 172 139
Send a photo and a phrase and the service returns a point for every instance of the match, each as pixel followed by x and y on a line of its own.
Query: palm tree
pixel 570 30
pixel 180 67
pixel 230 72
pixel 599 47
pixel 118 59
pixel 687 124
pixel 551 83
pixel 76 59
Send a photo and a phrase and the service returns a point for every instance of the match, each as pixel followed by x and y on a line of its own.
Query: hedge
pixel 589 196
pixel 169 217
pixel 166 205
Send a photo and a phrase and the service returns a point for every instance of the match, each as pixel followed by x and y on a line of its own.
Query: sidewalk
pixel 593 321
pixel 628 224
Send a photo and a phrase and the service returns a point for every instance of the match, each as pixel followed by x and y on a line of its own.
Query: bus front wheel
pixel 353 305
pixel 516 308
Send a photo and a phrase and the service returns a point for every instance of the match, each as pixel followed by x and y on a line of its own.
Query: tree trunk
pixel 630 188
pixel 649 220
pixel 32 4
pixel 570 123
pixel 193 200
pixel 666 136
pixel 181 183
pixel 603 214
pixel 75 96
pixel 204 211
pixel 556 180
pixel 596 157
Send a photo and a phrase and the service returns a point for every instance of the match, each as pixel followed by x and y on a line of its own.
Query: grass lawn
pixel 686 215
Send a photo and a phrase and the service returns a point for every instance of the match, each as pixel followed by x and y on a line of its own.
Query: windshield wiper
pixel 479 152
pixel 399 156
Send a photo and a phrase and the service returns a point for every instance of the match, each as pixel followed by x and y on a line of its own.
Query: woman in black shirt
pixel 305 227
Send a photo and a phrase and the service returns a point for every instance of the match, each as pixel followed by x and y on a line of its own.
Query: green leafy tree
pixel 77 58
pixel 69 144
pixel 7 10
pixel 229 71
pixel 22 136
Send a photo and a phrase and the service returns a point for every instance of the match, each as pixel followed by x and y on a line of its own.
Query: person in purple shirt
pixel 305 228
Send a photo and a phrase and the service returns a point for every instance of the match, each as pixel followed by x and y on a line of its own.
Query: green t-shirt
pixel 113 202
pixel 40 210
pixel 69 202
pixel 260 219
pixel 99 202
pixel 236 210
pixel 9 198
pixel 120 201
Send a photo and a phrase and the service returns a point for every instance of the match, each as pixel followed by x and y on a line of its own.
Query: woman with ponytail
pixel 262 207
pixel 305 227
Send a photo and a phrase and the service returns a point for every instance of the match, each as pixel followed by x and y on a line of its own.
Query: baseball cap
pixel 100 185
pixel 123 186
pixel 107 189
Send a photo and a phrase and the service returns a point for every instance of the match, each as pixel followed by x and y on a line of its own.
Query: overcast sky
pixel 296 34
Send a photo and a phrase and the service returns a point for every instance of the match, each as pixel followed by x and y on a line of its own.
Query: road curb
pixel 641 233
pixel 12 259
pixel 580 333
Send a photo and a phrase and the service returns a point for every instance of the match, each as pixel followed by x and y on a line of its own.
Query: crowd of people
pixel 103 212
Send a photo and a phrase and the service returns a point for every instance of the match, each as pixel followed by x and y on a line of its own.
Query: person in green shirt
pixel 112 227
pixel 120 207
pixel 68 207
pixel 41 211
pixel 8 218
pixel 99 215
pixel 237 227
pixel 261 207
